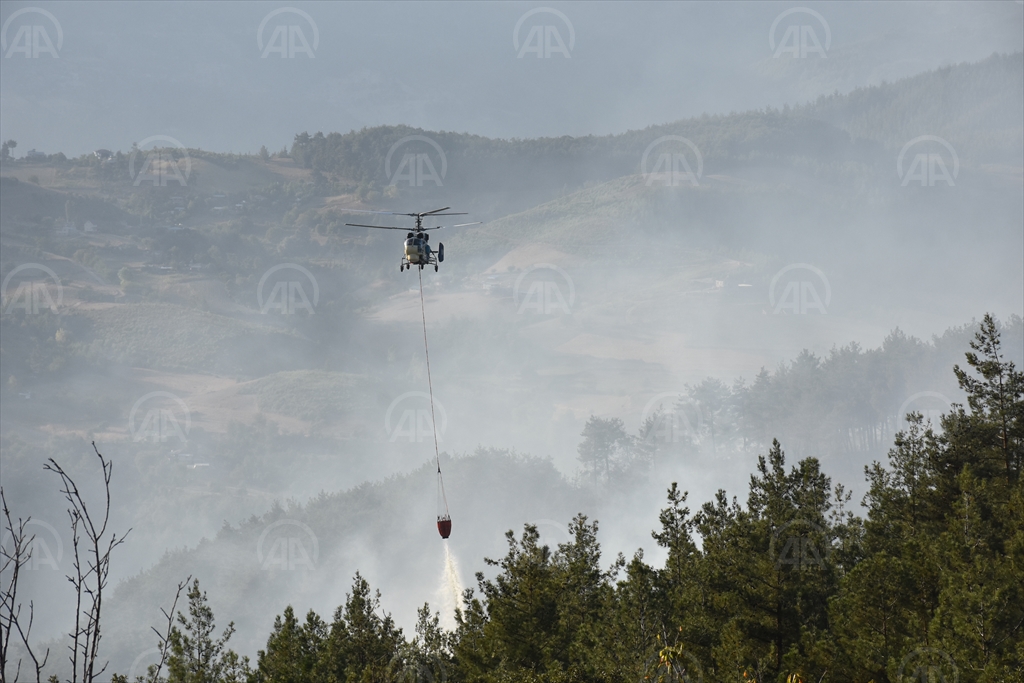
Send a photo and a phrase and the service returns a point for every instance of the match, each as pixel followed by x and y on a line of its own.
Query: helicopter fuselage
pixel 418 252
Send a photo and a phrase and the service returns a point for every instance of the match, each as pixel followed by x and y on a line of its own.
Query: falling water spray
pixel 450 589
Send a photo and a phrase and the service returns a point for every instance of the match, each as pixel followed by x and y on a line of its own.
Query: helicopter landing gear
pixel 401 267
pixel 435 267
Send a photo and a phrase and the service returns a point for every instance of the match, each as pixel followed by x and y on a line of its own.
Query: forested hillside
pixel 989 94
pixel 789 586
pixel 968 104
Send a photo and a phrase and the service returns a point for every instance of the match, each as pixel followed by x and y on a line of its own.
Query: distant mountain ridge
pixel 948 102
pixel 976 107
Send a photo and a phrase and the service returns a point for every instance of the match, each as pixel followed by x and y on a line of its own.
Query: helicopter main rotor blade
pixel 379 227
pixel 435 212
pixel 388 213
pixel 438 212
pixel 396 213
pixel 402 213
pixel 442 227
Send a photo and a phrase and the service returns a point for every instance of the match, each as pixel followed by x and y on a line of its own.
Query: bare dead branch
pixel 165 638
pixel 10 608
pixel 91 572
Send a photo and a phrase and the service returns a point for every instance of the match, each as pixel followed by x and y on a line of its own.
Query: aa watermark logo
pixel 544 289
pixel 410 417
pixel 32 294
pixel 931 404
pixel 544 40
pixel 422 161
pixel 416 669
pixel 680 422
pixel 165 160
pixel 288 545
pixel 673 664
pixel 674 162
pixel 934 161
pixel 158 417
pixel 31 39
pixel 800 296
pixel 288 37
pixel 801 544
pixel 552 533
pixel 927 665
pixel 800 40
pixel 44 547
pixel 140 665
pixel 287 296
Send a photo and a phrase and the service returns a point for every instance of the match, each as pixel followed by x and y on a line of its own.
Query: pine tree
pixel 293 649
pixel 361 644
pixel 521 607
pixel 198 657
pixel 996 427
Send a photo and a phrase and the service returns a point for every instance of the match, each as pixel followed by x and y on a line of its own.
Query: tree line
pixel 789 585
pixel 846 402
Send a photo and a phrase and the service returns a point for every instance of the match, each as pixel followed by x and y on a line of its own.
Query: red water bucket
pixel 444 526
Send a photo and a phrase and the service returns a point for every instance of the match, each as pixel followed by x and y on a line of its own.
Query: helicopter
pixel 417 241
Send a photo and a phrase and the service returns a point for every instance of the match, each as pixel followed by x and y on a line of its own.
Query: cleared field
pixel 309 395
pixel 243 174
pixel 169 336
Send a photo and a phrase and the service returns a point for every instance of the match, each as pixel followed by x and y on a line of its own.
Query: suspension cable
pixel 430 387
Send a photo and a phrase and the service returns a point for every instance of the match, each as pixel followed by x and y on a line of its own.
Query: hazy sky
pixel 196 71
